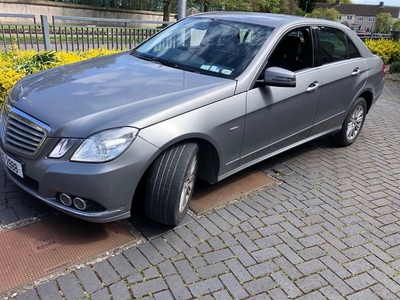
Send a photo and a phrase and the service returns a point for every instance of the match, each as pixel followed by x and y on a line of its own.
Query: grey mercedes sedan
pixel 204 98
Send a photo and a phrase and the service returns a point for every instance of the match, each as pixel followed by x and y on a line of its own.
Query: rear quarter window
pixel 334 45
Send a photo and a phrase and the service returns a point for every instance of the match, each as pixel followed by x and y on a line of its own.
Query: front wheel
pixel 170 184
pixel 352 125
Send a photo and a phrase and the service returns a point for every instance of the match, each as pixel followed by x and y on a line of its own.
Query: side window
pixel 293 52
pixel 353 51
pixel 333 45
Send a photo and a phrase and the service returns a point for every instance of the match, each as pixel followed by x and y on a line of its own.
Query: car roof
pixel 266 19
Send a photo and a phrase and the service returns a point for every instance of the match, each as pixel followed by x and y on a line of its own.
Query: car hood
pixel 116 90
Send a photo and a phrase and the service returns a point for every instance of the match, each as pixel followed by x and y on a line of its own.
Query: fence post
pixel 46 32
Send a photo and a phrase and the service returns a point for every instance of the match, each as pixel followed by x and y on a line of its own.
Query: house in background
pixel 361 17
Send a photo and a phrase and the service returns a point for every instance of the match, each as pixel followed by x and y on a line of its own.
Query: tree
pixel 324 13
pixel 290 7
pixel 271 6
pixel 341 1
pixel 308 5
pixel 396 25
pixel 383 22
pixel 230 5
pixel 166 10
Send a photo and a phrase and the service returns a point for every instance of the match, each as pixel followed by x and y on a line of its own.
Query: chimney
pixel 381 4
pixel 337 2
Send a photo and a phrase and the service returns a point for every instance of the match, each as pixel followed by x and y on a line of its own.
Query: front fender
pixel 220 123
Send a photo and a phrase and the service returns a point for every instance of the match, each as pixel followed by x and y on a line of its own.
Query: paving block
pixel 165 295
pixel 137 259
pixel 29 295
pixel 177 287
pixel 233 286
pixel 219 255
pixel 265 254
pixel 70 287
pixel 240 272
pixel 8 216
pixel 151 273
pixel 185 269
pixel 311 266
pixel 212 270
pixel 49 291
pixel 89 280
pixel 340 285
pixel 364 294
pixel 260 285
pixel 120 291
pixel 163 247
pixel 102 294
pixel 245 258
pixel 151 253
pixel 188 236
pixel 149 286
pixel 361 281
pixel 121 265
pixel 167 268
pixel 287 285
pixel 205 287
pixel 199 231
pixel 330 293
pixel 106 272
pixel 219 222
pixel 246 242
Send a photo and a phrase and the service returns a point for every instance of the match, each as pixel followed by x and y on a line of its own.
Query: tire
pixel 170 184
pixel 352 125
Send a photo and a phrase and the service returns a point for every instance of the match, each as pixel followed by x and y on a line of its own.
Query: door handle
pixel 312 87
pixel 356 71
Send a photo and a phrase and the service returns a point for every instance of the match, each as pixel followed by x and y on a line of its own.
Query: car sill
pixel 242 167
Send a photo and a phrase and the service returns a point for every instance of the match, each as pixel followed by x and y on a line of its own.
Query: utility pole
pixel 181 9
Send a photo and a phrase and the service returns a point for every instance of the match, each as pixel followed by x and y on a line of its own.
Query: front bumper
pixel 110 186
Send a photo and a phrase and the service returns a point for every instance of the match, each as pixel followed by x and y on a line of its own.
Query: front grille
pixel 20 132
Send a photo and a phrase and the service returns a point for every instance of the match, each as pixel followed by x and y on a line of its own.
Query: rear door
pixel 343 74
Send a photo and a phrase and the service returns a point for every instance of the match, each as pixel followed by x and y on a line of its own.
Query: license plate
pixel 11 164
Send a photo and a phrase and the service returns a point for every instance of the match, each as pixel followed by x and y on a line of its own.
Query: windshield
pixel 215 47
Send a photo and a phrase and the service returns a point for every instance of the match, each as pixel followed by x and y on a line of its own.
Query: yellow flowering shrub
pixel 17 63
pixel 8 77
pixel 389 50
pixel 65 57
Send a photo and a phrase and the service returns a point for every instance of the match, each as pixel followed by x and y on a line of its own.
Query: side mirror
pixel 275 76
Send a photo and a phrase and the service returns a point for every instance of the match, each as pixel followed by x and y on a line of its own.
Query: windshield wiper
pixel 156 59
pixel 166 62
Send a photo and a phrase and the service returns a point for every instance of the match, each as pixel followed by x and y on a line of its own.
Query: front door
pixel 279 117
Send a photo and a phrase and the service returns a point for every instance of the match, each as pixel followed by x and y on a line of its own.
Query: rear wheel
pixel 352 125
pixel 170 184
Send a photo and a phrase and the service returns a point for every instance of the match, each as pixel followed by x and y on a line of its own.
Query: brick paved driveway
pixel 329 231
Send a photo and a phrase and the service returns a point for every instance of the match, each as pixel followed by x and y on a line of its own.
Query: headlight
pixel 106 145
pixel 62 147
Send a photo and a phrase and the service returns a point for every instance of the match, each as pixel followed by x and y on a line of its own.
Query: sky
pixel 376 2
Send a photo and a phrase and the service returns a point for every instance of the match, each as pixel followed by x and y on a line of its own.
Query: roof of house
pixel 361 9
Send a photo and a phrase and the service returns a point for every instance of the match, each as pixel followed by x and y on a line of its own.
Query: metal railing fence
pixel 45 36
pixel 149 5
pixel 25 36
